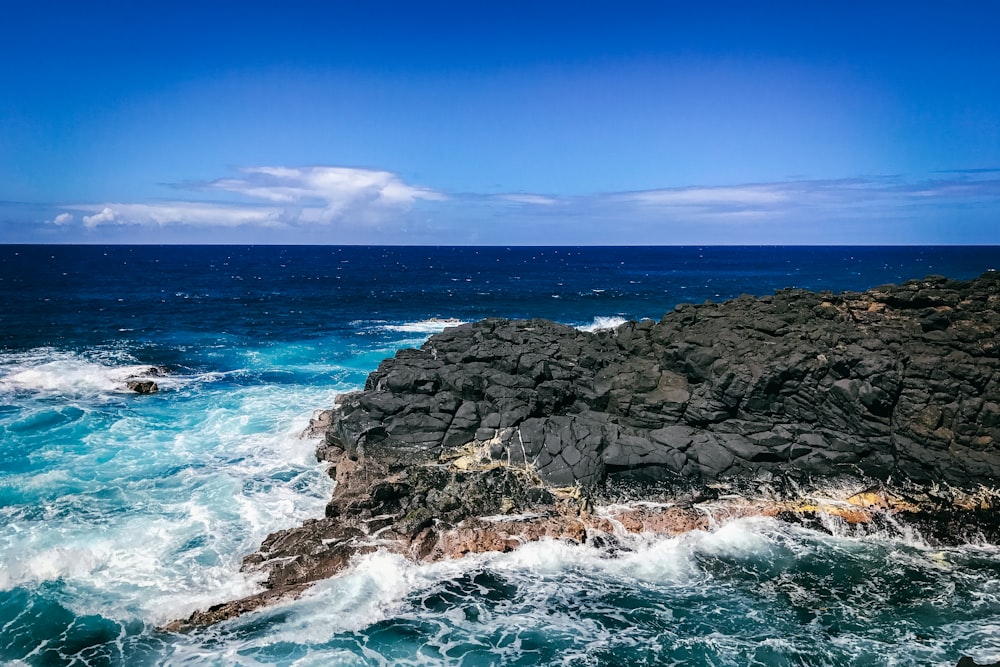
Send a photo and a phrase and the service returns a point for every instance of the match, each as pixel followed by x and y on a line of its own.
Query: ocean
pixel 120 512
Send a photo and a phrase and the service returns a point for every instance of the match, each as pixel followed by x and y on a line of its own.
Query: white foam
pixel 43 480
pixel 50 372
pixel 602 323
pixel 428 326
pixel 372 590
pixel 48 565
pixel 742 537
pixel 147 511
pixel 72 377
pixel 377 586
pixel 378 581
pixel 554 588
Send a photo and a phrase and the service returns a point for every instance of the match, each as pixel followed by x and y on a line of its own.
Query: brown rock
pixel 142 386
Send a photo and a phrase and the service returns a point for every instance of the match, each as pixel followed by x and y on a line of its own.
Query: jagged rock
pixel 319 423
pixel 896 382
pixel 141 382
pixel 898 386
pixel 142 386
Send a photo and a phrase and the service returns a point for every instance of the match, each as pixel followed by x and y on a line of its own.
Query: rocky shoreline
pixel 870 409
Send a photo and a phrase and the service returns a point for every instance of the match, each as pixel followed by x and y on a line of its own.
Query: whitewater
pixel 120 512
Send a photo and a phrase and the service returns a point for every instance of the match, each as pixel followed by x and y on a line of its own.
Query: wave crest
pixel 428 326
pixel 603 323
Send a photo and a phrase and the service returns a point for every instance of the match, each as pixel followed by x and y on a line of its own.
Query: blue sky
pixel 500 122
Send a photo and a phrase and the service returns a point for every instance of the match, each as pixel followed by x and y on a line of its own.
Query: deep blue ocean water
pixel 119 512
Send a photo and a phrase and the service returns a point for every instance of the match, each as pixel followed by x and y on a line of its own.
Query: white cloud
pixel 197 214
pixel 285 196
pixel 328 193
pixel 375 206
pixel 539 200
pixel 105 215
pixel 746 195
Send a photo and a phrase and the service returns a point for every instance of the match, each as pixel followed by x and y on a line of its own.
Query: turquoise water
pixel 119 512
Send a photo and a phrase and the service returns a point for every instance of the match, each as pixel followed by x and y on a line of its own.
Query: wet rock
pixel 319 423
pixel 142 386
pixel 141 382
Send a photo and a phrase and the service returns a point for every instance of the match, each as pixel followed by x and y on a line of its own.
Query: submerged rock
pixel 498 432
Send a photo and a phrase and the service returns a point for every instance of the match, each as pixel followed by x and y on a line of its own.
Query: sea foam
pixel 428 326
pixel 602 323
pixel 148 505
pixel 100 373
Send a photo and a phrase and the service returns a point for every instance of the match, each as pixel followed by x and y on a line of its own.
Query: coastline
pixel 501 432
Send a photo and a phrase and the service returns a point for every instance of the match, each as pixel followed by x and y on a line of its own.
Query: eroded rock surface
pixel 895 381
pixel 502 431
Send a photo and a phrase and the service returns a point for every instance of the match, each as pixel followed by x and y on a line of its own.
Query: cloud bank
pixel 327 193
pixel 271 197
pixel 375 206
pixel 192 214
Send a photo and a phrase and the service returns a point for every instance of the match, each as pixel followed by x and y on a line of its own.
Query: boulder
pixel 142 386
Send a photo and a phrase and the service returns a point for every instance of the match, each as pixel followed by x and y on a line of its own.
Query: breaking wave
pixel 752 591
pixel 602 323
pixel 428 326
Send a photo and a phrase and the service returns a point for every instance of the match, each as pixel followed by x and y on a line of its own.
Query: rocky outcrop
pixel 502 431
pixel 142 386
pixel 141 383
pixel 896 382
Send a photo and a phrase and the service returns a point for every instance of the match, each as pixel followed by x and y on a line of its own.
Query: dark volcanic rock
pixel 898 386
pixel 141 382
pixel 899 382
pixel 142 386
